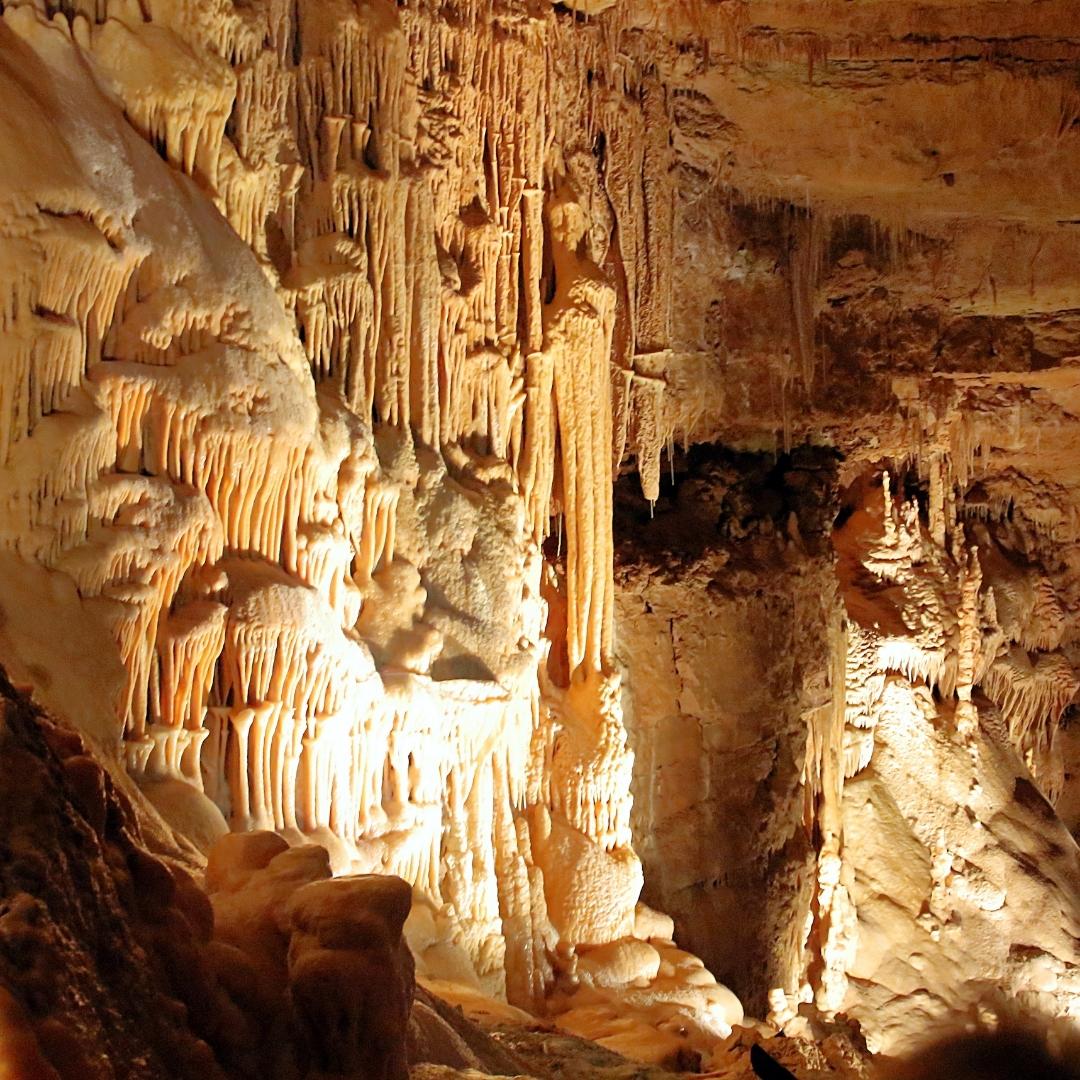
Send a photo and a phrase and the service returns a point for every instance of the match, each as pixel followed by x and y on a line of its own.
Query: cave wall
pixel 89 921
pixel 310 317
pixel 726 595
pixel 345 346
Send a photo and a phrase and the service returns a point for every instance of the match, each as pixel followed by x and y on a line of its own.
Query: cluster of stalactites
pixel 941 628
pixel 70 267
pixel 1032 695
pixel 418 295
pixel 458 360
pixel 1027 676
pixel 456 221
pixel 956 431
pixel 977 617
pixel 1017 663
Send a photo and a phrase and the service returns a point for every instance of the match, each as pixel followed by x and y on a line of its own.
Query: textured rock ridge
pixel 115 963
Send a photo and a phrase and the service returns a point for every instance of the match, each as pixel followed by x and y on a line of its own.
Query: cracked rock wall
pixel 722 600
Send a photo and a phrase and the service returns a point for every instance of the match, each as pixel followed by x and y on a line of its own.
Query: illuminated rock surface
pixel 587 489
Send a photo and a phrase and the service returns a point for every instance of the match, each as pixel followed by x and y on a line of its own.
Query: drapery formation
pixel 299 459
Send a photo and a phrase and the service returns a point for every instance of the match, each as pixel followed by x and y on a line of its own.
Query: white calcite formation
pixel 308 319
pixel 908 864
pixel 945 841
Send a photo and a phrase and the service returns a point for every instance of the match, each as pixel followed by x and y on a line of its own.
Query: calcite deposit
pixel 570 509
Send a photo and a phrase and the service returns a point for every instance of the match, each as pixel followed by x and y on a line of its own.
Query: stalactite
pixel 649 430
pixel 578 331
pixel 809 239
pixel 183 113
pixel 252 441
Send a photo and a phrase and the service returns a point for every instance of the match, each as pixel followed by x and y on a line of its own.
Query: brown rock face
pixel 111 964
pixel 322 957
pixel 99 941
pixel 724 594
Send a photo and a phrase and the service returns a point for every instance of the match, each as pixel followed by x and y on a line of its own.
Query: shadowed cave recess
pixel 539 540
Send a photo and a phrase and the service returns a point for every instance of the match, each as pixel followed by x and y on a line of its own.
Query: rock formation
pixel 553 481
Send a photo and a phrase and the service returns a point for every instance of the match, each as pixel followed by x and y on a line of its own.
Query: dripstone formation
pixel 567 509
